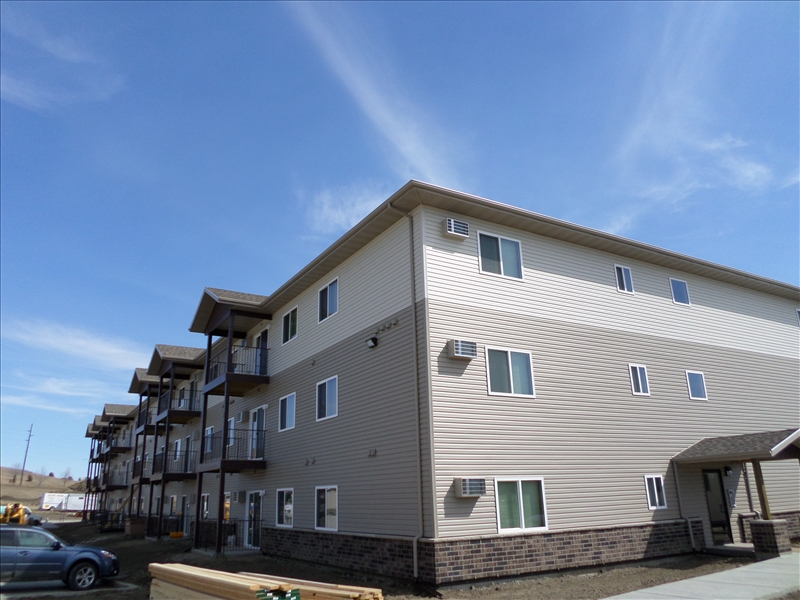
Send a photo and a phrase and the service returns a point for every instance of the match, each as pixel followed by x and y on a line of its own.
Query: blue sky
pixel 151 149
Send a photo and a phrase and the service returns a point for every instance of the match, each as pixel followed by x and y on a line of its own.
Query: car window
pixel 34 539
pixel 7 538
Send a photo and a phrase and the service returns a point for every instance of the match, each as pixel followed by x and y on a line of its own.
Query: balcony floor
pixel 232 465
pixel 178 415
pixel 238 383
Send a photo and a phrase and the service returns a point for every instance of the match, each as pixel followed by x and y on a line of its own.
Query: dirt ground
pixel 30 491
pixel 135 555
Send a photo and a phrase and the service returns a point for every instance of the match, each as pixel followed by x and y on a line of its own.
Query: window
pixel 34 539
pixel 639 385
pixel 7 537
pixel 176 448
pixel 697 385
pixel 231 430
pixel 510 372
pixel 624 279
pixel 329 300
pixel 500 256
pixel 327 508
pixel 204 506
pixel 286 412
pixel 209 439
pixel 655 492
pixel 290 325
pixel 285 502
pixel 680 291
pixel 520 504
pixel 173 506
pixel 327 398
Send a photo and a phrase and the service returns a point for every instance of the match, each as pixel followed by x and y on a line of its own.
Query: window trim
pixel 316 398
pixel 207 497
pixel 297 325
pixel 488 375
pixel 208 441
pixel 231 430
pixel 632 291
pixel 503 275
pixel 631 367
pixel 518 480
pixel 316 508
pixel 278 507
pixel 336 281
pixel 672 292
pixel 660 478
pixel 689 385
pixel 280 406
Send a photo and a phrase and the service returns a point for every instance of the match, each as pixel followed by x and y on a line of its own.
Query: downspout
pixel 420 523
pixel 680 506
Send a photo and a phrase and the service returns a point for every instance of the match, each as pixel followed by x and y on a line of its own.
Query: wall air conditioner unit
pixel 242 497
pixel 454 228
pixel 470 487
pixel 462 349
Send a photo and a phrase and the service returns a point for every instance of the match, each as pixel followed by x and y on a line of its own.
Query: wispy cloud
pixel 674 146
pixel 42 70
pixel 39 404
pixel 88 388
pixel 98 351
pixel 421 149
pixel 338 209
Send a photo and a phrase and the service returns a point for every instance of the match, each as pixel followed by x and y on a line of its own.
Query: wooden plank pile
pixel 185 582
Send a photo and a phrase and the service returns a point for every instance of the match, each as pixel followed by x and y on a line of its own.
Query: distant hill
pixel 30 491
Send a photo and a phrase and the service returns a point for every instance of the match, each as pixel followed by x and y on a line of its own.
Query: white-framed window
pixel 327 508
pixel 680 291
pixel 520 504
pixel 798 316
pixel 176 447
pixel 509 372
pixel 209 439
pixel 289 326
pixel 624 279
pixel 204 499
pixel 655 492
pixel 285 506
pixel 696 383
pixel 499 255
pixel 173 506
pixel 328 398
pixel 286 411
pixel 329 300
pixel 639 383
pixel 231 431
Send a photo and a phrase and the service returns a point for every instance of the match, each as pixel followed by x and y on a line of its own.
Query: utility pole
pixel 25 460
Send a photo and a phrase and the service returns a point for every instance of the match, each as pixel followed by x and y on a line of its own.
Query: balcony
pixel 180 406
pixel 98 454
pixel 118 444
pixel 245 450
pixel 116 480
pixel 145 421
pixel 174 466
pixel 247 370
pixel 142 472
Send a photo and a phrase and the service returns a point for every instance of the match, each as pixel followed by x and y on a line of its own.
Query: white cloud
pixel 62 47
pixel 39 404
pixel 97 351
pixel 423 152
pixel 336 210
pixel 64 387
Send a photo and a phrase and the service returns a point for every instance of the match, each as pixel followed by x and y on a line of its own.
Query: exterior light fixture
pixel 728 471
pixel 372 342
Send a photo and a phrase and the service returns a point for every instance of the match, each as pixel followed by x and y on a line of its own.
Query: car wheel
pixel 83 576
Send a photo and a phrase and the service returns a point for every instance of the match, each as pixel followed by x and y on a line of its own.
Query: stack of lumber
pixel 185 582
pixel 326 591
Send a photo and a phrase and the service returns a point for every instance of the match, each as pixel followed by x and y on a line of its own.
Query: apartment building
pixel 459 389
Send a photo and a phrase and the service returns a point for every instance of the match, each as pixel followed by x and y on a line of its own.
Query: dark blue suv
pixel 28 553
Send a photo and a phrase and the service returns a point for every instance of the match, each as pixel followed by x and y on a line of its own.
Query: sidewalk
pixel 764 580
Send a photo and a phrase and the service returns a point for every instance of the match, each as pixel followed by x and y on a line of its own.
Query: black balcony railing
pixel 116 478
pixel 243 444
pixel 175 462
pixel 119 441
pixel 180 400
pixel 141 469
pixel 244 359
pixel 146 417
pixel 237 534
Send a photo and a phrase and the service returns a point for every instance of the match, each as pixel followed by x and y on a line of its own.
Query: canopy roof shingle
pixel 767 445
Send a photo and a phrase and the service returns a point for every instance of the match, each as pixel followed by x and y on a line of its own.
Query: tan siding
pixel 782 484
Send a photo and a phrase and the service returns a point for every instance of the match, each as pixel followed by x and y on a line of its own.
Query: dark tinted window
pixel 7 538
pixel 34 539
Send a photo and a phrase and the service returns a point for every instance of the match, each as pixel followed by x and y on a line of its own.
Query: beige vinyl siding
pixel 585 433
pixel 373 283
pixel 572 283
pixel 783 487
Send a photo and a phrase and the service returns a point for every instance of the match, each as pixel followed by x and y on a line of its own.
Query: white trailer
pixel 65 502
pixel 51 501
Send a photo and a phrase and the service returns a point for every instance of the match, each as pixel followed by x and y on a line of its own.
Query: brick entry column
pixel 770 538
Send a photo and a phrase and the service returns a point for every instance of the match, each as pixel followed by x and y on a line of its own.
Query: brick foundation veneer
pixel 792 518
pixel 770 538
pixel 448 561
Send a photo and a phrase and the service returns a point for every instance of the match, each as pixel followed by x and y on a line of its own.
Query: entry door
pixel 717 507
pixel 254 519
pixel 257 425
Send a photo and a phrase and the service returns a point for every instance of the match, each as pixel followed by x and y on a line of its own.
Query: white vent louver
pixel 242 417
pixel 463 349
pixel 456 229
pixel 469 487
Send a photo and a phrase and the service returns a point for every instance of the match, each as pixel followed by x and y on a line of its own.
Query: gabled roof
pixel 767 445
pixel 417 193
pixel 119 412
pixel 183 355
pixel 140 381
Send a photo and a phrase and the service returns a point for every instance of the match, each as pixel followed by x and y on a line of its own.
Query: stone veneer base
pixel 450 561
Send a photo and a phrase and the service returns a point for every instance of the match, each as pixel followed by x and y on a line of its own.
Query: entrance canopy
pixel 768 445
